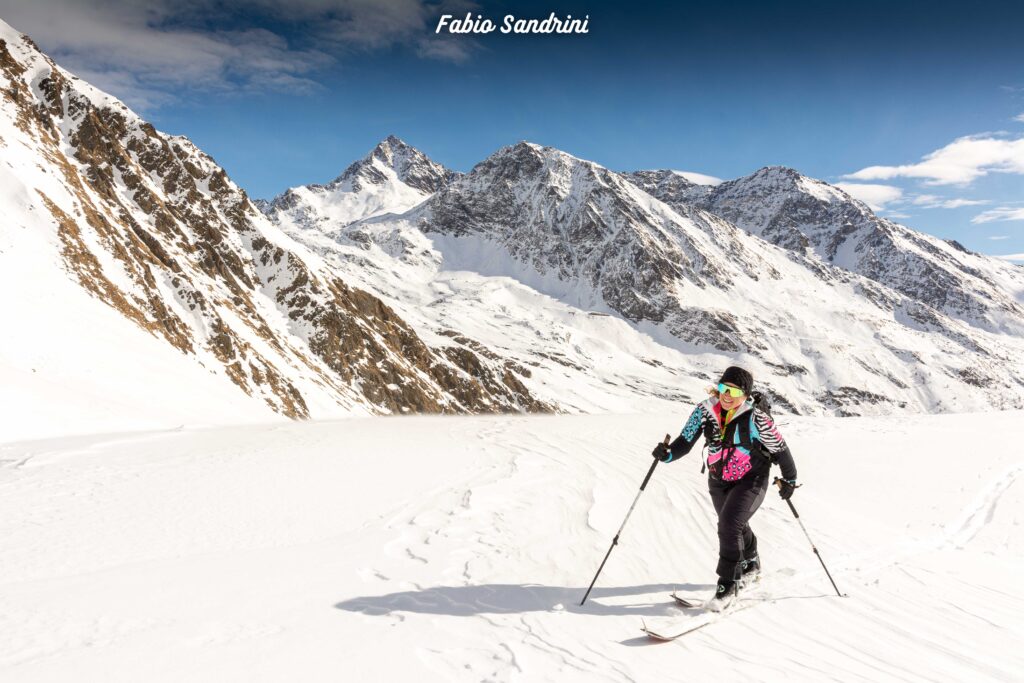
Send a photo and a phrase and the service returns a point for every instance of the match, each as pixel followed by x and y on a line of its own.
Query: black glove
pixel 786 488
pixel 661 452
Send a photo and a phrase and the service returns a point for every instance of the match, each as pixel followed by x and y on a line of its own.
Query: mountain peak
pixel 394 157
pixel 777 171
pixel 529 158
pixel 783 179
pixel 532 150
pixel 391 147
pixel 775 176
pixel 393 176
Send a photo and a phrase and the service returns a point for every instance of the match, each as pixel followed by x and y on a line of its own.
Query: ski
pixel 683 602
pixel 654 635
pixel 709 617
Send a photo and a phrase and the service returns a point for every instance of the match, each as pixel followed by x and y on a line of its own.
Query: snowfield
pixel 458 548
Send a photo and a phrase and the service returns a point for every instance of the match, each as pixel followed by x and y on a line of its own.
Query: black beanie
pixel 740 377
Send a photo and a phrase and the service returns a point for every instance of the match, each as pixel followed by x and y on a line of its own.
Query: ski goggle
pixel 732 391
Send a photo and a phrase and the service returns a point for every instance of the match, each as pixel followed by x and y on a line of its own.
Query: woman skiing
pixel 742 442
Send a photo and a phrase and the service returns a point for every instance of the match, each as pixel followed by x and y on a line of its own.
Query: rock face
pixel 806 215
pixel 150 225
pixel 668 186
pixel 835 338
pixel 588 232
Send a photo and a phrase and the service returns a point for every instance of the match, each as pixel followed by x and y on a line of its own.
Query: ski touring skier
pixel 743 442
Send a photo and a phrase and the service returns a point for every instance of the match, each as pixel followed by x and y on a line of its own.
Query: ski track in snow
pixel 459 548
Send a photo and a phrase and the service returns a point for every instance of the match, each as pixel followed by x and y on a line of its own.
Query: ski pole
pixel 615 541
pixel 778 482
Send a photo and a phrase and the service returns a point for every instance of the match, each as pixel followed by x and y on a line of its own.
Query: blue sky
pixel 916 107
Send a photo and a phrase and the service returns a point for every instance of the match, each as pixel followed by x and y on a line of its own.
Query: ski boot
pixel 751 571
pixel 725 595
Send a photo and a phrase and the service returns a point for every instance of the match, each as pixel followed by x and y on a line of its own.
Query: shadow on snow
pixel 502 598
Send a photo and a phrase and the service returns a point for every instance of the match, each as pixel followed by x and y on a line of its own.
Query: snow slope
pixel 447 548
pixel 99 206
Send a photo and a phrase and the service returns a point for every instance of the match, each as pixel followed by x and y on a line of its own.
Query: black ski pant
pixel 736 502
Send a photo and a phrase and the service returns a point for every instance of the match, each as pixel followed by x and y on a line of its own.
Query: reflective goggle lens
pixel 732 391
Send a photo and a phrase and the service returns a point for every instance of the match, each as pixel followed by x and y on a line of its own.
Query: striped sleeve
pixel 771 438
pixel 768 433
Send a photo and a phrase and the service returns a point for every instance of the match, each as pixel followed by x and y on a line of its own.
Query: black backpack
pixel 762 402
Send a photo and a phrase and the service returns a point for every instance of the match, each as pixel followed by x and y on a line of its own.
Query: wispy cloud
pixel 1012 257
pixel 1002 213
pixel 960 162
pixel 147 52
pixel 1019 117
pixel 931 201
pixel 875 196
pixel 699 178
pixel 999 237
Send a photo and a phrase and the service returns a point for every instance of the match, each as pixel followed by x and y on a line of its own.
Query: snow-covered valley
pixel 458 548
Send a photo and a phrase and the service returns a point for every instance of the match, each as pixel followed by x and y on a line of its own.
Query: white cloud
pixel 999 237
pixel 146 52
pixel 446 48
pixel 1002 213
pixel 875 196
pixel 699 178
pixel 960 162
pixel 1012 257
pixel 1019 117
pixel 931 201
pixel 957 203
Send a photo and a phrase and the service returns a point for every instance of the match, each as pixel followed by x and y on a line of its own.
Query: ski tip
pixel 657 637
pixel 683 602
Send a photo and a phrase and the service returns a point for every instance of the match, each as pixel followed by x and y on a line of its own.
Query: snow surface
pixel 458 548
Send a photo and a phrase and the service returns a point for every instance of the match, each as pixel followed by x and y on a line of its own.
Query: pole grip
pixel 778 483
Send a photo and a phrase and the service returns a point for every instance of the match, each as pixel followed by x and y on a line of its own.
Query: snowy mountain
pixel 818 336
pixel 101 207
pixel 392 177
pixel 671 187
pixel 811 217
pixel 538 281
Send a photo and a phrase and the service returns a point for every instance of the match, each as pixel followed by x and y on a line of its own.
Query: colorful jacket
pixel 747 450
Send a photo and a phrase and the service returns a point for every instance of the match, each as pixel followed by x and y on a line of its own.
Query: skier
pixel 742 442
